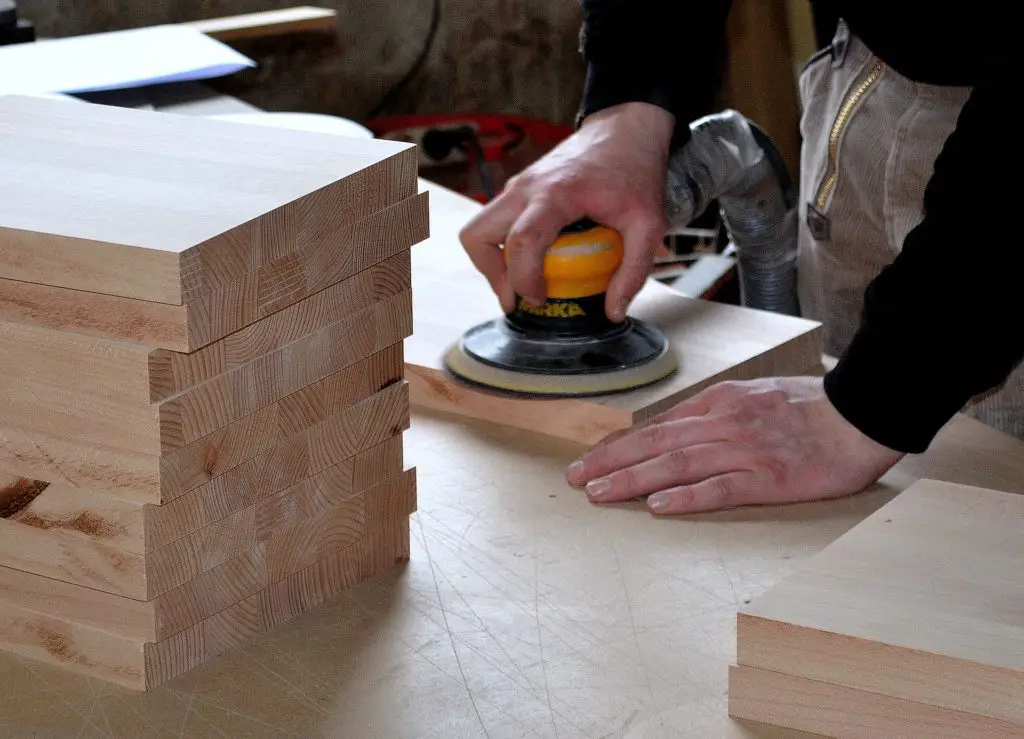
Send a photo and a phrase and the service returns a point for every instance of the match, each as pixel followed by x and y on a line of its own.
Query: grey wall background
pixel 505 56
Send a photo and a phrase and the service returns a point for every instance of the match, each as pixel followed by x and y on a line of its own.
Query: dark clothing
pixel 933 333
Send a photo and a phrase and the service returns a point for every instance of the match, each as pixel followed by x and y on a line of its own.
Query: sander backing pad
pixel 568 346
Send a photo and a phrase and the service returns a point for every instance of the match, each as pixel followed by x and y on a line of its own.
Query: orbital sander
pixel 567 346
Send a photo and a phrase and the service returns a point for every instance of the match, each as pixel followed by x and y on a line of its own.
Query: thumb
pixel 641 234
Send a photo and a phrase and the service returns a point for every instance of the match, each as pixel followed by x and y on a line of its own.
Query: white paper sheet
pixel 116 60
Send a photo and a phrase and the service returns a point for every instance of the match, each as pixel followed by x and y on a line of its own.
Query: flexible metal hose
pixel 731 160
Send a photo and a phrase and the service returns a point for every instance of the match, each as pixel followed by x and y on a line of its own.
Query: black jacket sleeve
pixel 664 52
pixel 943 322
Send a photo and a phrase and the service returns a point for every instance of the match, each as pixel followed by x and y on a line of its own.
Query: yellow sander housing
pixel 567 346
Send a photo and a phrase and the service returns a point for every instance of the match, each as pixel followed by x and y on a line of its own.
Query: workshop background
pixel 496 83
pixel 497 56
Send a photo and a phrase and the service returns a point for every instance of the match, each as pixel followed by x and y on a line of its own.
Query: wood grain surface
pixel 226 309
pixel 218 613
pixel 840 712
pixel 165 208
pixel 329 417
pixel 920 602
pixel 171 424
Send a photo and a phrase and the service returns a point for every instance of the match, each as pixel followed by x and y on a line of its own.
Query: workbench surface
pixel 524 612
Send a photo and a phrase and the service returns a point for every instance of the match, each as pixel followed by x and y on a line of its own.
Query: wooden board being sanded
pixel 920 606
pixel 713 342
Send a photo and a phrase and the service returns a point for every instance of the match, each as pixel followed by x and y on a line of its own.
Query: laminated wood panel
pixel 166 208
pixel 921 602
pixel 168 425
pixel 226 309
pixel 834 711
pixel 74 540
pixel 80 639
pixel 329 417
pixel 133 372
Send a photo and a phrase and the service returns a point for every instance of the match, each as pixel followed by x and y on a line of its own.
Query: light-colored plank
pixel 712 342
pixel 226 309
pixel 164 208
pixel 372 394
pixel 844 713
pixel 173 372
pixel 228 397
pixel 283 21
pixel 919 602
pixel 172 424
pixel 277 604
pixel 133 372
pixel 321 522
pixel 137 663
pixel 78 549
pixel 258 479
pixel 372 391
pixel 389 494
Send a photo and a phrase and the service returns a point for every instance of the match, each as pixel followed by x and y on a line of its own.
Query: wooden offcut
pixel 269 23
pixel 713 342
pixel 920 603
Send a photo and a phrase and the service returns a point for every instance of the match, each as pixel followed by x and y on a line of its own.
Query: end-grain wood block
pixel 163 427
pixel 921 602
pixel 712 342
pixel 228 308
pixel 99 542
pixel 165 208
pixel 141 645
pixel 363 403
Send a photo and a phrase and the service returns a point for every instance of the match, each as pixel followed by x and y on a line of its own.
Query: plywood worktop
pixel 525 611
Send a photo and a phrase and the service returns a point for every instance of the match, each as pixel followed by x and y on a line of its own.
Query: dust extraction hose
pixel 731 160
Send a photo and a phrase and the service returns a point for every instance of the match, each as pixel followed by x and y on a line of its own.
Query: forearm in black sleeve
pixel 664 52
pixel 943 322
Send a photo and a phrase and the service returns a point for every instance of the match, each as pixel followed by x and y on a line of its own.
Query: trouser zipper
pixel 816 219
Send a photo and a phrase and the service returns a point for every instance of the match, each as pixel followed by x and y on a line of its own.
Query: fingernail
pixel 619 313
pixel 598 488
pixel 536 302
pixel 574 471
pixel 659 502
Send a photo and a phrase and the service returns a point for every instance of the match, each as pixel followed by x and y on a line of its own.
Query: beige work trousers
pixel 870 139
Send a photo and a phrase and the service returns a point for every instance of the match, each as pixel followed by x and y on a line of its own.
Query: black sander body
pixel 567 346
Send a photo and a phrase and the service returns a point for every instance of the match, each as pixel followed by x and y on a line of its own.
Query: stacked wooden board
pixel 909 625
pixel 203 397
pixel 713 342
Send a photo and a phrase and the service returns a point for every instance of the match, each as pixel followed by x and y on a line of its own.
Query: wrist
pixel 652 123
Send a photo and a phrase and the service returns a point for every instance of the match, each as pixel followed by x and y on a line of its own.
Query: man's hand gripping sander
pixel 567 346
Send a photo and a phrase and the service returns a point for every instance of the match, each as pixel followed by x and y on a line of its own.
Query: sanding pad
pixel 498 356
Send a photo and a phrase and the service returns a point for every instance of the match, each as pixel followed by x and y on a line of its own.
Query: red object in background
pixel 475 153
